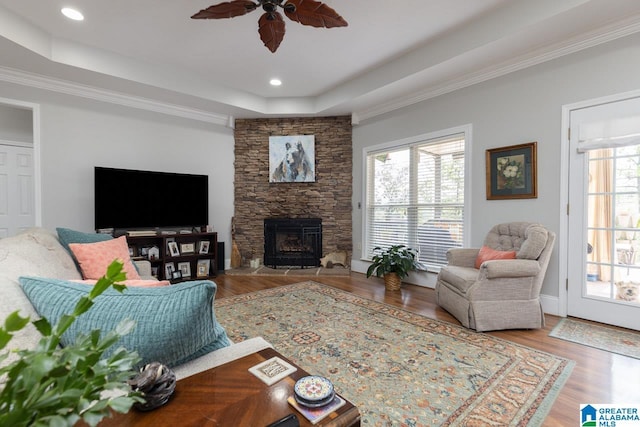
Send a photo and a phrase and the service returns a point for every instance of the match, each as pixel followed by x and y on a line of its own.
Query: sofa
pixel 36 268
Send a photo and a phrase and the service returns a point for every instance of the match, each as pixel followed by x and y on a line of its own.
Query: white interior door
pixel 17 184
pixel 604 214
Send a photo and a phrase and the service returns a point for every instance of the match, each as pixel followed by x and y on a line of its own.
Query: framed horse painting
pixel 292 158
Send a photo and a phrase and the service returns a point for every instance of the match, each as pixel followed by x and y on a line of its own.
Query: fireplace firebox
pixel 293 242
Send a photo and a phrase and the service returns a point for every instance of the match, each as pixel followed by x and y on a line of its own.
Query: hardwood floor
pixel 598 376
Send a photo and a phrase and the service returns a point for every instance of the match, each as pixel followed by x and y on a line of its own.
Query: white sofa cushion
pixel 35 252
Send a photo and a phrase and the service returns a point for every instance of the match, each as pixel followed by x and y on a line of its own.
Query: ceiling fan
pixel 271 24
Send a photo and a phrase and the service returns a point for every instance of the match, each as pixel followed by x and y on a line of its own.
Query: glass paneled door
pixel 604 214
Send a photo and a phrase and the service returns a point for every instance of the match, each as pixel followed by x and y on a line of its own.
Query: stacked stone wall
pixel 328 198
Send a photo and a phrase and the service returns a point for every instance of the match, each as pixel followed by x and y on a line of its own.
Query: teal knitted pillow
pixel 66 236
pixel 175 324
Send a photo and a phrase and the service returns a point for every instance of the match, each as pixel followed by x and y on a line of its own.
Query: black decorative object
pixel 156 382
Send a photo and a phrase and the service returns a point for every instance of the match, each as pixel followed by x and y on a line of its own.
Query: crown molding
pixel 596 37
pixel 602 35
pixel 39 81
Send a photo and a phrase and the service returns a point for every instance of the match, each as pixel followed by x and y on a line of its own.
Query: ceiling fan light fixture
pixel 73 14
pixel 271 26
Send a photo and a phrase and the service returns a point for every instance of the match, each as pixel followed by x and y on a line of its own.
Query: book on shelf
pixel 315 415
pixel 141 233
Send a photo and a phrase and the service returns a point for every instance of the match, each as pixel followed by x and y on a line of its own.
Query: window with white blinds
pixel 415 196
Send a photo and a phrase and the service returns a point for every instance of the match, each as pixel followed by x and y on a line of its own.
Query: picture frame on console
pixel 203 247
pixel 185 269
pixel 511 172
pixel 169 269
pixel 203 267
pixel 173 249
pixel 187 248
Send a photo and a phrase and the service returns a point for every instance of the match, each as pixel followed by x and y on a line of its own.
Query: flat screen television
pixel 136 199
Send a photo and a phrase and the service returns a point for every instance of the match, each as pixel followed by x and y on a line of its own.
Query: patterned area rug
pixel 624 342
pixel 399 368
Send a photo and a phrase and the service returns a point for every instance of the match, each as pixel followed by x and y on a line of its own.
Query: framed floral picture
pixel 511 172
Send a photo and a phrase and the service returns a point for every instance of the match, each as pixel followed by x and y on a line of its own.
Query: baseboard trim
pixel 420 278
pixel 550 304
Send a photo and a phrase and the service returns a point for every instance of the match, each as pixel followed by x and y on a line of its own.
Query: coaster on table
pixel 273 370
pixel 315 415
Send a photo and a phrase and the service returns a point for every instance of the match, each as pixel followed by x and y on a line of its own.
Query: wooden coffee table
pixel 229 395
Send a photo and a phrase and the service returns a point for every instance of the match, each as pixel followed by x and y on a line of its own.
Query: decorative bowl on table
pixel 156 383
pixel 313 391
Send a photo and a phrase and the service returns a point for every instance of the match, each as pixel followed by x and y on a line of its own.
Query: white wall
pixel 521 107
pixel 78 134
pixel 15 123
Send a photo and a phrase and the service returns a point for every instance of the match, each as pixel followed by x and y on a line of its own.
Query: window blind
pixel 415 196
pixel 615 124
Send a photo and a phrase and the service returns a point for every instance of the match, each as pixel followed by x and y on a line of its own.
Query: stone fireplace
pixel 328 198
pixel 292 242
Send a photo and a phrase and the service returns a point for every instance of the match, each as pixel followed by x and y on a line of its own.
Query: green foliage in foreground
pixel 54 386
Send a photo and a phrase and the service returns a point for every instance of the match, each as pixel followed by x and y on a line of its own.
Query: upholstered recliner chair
pixel 489 294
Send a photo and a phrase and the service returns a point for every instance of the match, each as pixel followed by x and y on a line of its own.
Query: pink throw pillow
pixel 488 254
pixel 94 258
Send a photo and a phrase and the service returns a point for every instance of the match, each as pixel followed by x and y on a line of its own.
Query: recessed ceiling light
pixel 72 14
pixel 275 82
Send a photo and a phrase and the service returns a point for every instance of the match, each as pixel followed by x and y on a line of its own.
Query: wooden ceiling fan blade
pixel 313 13
pixel 228 9
pixel 271 30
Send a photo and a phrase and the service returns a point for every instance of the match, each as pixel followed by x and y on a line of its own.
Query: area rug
pixel 399 368
pixel 624 342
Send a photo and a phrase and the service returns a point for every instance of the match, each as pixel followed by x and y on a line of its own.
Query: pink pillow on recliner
pixel 94 258
pixel 488 254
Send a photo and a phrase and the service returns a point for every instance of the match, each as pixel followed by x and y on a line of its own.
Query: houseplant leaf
pixel 53 386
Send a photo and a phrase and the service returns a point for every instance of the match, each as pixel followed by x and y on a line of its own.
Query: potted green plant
pixel 393 264
pixel 59 386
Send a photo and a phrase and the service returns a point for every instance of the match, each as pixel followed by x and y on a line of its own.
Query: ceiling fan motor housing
pixel 270 6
